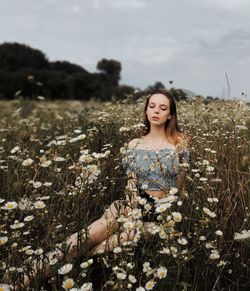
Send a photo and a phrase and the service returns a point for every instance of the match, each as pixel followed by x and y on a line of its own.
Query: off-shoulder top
pixel 155 170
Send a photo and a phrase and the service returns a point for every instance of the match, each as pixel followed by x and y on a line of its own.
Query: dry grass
pixel 57 197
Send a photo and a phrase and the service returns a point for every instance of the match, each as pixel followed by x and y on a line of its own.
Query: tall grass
pixel 65 186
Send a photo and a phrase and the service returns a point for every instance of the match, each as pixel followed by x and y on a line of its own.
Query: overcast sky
pixel 192 42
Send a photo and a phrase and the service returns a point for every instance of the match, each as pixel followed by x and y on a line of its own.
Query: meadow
pixel 61 166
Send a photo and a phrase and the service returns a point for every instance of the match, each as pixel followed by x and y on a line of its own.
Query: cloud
pixel 96 4
pixel 76 9
pixel 229 4
pixel 192 42
pixel 118 4
pixel 130 4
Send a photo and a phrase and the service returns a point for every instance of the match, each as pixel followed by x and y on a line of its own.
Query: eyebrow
pixel 161 104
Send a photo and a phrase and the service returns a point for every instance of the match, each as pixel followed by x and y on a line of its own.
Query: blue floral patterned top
pixel 155 170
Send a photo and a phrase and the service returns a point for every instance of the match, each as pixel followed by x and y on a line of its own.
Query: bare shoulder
pixel 134 143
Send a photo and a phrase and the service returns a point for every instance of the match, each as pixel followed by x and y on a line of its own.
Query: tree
pixel 157 85
pixel 111 69
pixel 6 80
pixel 67 67
pixel 26 70
pixel 123 91
pixel 178 94
pixel 15 56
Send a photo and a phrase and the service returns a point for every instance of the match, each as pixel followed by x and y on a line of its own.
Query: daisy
pixel 162 272
pixel 27 162
pixel 3 240
pixel 68 283
pixel 9 205
pixel 177 217
pixel 39 204
pixel 46 164
pixel 150 285
pixel 4 287
pixel 87 287
pixel 65 269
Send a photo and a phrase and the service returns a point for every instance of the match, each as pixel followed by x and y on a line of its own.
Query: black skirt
pixel 147 215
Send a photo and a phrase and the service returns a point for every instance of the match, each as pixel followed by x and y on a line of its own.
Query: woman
pixel 152 161
pixel 152 164
pixel 161 142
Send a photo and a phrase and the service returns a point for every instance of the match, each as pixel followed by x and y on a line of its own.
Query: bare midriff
pixel 156 193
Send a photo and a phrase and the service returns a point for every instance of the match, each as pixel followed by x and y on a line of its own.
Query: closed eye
pixel 161 108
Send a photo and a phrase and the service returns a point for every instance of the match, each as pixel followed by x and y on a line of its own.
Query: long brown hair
pixel 172 129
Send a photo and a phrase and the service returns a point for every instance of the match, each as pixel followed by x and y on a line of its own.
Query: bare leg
pixel 118 239
pixel 97 232
pixel 113 241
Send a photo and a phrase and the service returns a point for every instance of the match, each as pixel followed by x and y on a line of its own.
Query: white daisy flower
pixel 15 149
pixel 87 287
pixel 65 269
pixel 132 279
pixel 163 207
pixel 214 255
pixel 182 241
pixel 27 162
pixel 47 184
pixel 29 218
pixel 150 285
pixel 17 225
pixel 173 191
pixel 46 164
pixel 39 204
pixel 9 205
pixel 59 159
pixel 219 232
pixel 209 212
pixel 177 217
pixel 68 284
pixel 4 287
pixel 3 240
pixel 162 272
pixel 121 275
pixel 117 250
pixel 129 225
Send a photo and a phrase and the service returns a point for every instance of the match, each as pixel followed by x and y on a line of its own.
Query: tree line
pixel 27 72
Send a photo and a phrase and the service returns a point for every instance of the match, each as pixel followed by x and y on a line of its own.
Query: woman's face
pixel 159 107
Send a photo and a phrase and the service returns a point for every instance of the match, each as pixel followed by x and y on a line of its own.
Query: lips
pixel 155 118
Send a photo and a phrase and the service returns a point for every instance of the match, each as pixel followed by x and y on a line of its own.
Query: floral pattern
pixel 155 170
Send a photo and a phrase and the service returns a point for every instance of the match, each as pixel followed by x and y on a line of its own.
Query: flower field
pixel 61 167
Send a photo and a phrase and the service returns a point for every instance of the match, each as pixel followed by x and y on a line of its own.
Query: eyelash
pixel 161 109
